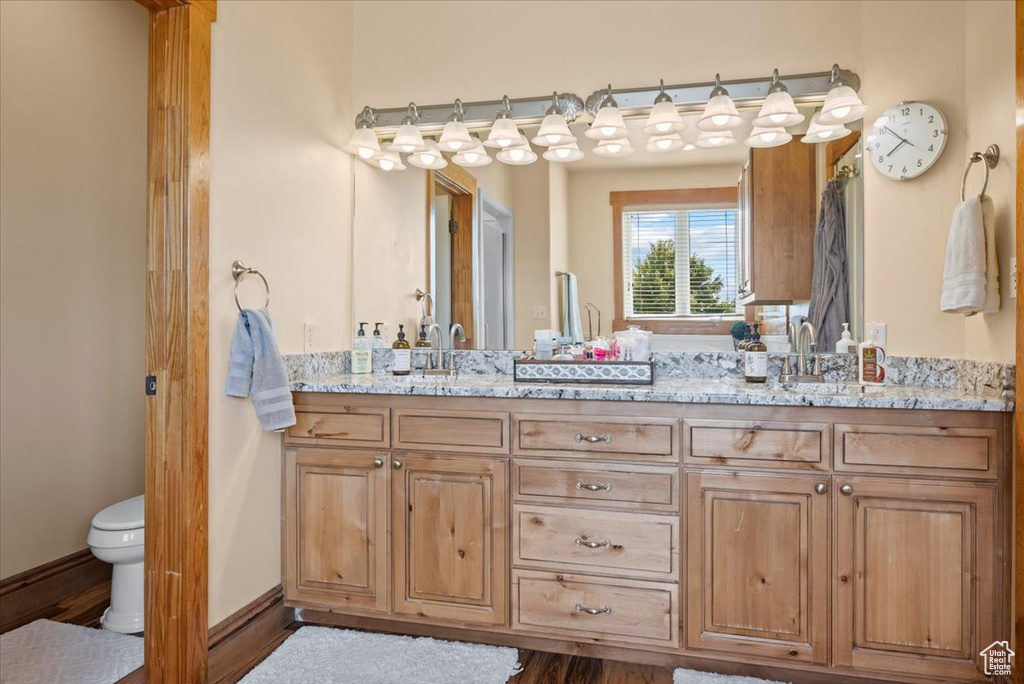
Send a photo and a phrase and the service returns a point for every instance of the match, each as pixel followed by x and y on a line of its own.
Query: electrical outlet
pixel 1013 277
pixel 540 313
pixel 310 338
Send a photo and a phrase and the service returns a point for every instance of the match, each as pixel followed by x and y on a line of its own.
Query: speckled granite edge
pixel 976 378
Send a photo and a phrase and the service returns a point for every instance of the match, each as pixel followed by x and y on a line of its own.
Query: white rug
pixel 681 676
pixel 323 655
pixel 57 653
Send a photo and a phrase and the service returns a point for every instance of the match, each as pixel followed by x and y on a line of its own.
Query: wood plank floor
pixel 86 608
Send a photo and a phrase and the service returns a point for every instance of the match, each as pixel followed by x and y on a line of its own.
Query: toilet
pixel 117 537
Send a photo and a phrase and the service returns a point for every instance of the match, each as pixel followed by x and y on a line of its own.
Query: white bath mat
pixel 323 655
pixel 58 653
pixel 681 676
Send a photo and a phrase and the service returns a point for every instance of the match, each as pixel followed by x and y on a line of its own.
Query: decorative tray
pixel 585 372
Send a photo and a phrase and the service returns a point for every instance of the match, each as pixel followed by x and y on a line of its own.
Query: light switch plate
pixel 310 337
pixel 540 313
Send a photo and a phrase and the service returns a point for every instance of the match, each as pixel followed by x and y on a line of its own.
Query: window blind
pixel 679 261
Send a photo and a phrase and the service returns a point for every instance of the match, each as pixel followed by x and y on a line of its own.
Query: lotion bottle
pixel 871 361
pixel 362 355
pixel 401 360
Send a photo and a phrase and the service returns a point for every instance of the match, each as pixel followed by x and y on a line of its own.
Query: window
pixel 677 259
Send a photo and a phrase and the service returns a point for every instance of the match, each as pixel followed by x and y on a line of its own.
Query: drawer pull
pixel 607 486
pixel 591 439
pixel 593 544
pixel 580 608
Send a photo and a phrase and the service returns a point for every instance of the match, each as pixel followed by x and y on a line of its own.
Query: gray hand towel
pixel 257 369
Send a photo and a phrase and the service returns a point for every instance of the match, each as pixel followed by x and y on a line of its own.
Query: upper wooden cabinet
pixel 449 521
pixel 914 588
pixel 777 219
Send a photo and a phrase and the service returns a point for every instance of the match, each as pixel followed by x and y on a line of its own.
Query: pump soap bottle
pixel 423 342
pixel 401 360
pixel 362 355
pixel 871 360
pixel 755 358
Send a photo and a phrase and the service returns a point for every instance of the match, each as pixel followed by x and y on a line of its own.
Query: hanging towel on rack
pixel 572 321
pixel 830 299
pixel 257 370
pixel 970 282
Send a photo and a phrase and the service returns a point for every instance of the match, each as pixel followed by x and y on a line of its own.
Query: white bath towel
pixel 970 283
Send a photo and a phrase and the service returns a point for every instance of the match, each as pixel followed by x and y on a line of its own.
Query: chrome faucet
pixel 590 321
pixel 456 328
pixel 804 340
pixel 431 369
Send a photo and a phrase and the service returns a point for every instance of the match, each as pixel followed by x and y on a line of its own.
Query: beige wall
pixel 558 210
pixel 590 220
pixel 281 191
pixel 905 223
pixel 530 204
pixel 72 270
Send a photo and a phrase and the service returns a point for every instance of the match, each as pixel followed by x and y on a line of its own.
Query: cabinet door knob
pixel 846 490
pixel 378 463
pixel 396 464
pixel 821 488
pixel 580 608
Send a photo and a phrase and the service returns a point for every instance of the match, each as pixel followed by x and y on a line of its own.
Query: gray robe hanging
pixel 830 306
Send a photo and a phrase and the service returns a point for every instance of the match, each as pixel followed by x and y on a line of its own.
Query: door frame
pixel 461 186
pixel 1018 417
pixel 177 341
pixel 489 205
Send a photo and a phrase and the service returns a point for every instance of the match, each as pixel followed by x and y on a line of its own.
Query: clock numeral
pixel 931 148
pixel 881 159
pixel 919 164
pixel 904 169
pixel 890 168
pixel 905 111
pixel 935 133
pixel 920 111
pixel 931 118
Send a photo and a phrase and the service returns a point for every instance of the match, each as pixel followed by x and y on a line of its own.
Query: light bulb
pixel 503 142
pixel 408 149
pixel 720 119
pixel 607 130
pixel 365 153
pixel 553 139
pixel 769 137
pixel 825 133
pixel 664 144
pixel 613 148
pixel 471 157
pixel 716 140
pixel 455 145
pixel 428 158
pixel 516 155
pixel 663 127
pixel 777 118
pixel 689 146
pixel 386 164
pixel 840 112
pixel 562 152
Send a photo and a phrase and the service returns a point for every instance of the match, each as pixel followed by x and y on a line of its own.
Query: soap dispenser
pixel 846 343
pixel 755 358
pixel 401 360
pixel 871 362
pixel 423 342
pixel 362 355
pixel 380 341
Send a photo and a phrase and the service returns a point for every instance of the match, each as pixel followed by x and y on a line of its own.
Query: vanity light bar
pixel 632 102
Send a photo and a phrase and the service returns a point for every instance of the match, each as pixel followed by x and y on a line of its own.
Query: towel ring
pixel 238 272
pixel 990 157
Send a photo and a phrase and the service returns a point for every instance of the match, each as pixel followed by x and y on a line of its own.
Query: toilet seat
pixel 129 514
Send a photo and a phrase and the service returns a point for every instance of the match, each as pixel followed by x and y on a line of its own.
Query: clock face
pixel 907 140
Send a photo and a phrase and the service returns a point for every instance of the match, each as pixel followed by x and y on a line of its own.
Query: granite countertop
pixel 672 390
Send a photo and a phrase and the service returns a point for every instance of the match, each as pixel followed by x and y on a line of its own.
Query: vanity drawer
pixel 610 485
pixel 342 426
pixel 756 443
pixel 917 450
pixel 632 544
pixel 580 606
pixel 477 432
pixel 632 439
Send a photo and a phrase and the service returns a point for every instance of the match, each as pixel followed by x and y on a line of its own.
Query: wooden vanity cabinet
pixel 777 216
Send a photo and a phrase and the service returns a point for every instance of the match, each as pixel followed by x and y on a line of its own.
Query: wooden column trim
pixel 177 341
pixel 1018 416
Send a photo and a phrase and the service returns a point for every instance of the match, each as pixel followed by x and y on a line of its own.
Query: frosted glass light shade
pixel 819 133
pixel 475 155
pixel 778 110
pixel 388 161
pixel 554 131
pixel 663 119
pixel 713 139
pixel 504 133
pixel 665 143
pixel 429 158
pixel 564 153
pixel 720 115
pixel 608 125
pixel 614 148
pixel 841 105
pixel 517 154
pixel 454 137
pixel 364 144
pixel 407 140
pixel 768 137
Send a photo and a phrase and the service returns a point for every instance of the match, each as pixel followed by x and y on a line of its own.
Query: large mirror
pixel 685 243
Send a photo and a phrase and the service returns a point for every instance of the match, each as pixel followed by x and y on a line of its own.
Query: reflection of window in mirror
pixel 676 260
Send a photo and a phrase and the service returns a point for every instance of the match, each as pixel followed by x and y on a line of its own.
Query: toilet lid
pixel 124 515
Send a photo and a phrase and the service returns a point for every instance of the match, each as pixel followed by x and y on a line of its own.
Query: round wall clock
pixel 907 140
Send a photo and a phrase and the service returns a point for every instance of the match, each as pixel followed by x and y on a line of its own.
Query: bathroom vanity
pixel 697 523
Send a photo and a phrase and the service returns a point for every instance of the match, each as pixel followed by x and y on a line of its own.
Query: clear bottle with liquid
pixel 380 340
pixel 401 360
pixel 755 358
pixel 362 354
pixel 423 342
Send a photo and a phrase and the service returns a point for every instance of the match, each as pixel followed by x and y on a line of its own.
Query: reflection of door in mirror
pixel 451 197
pixel 496 275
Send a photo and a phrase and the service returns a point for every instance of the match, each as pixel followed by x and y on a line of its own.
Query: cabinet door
pixel 757 573
pixel 450 527
pixel 335 533
pixel 914 576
